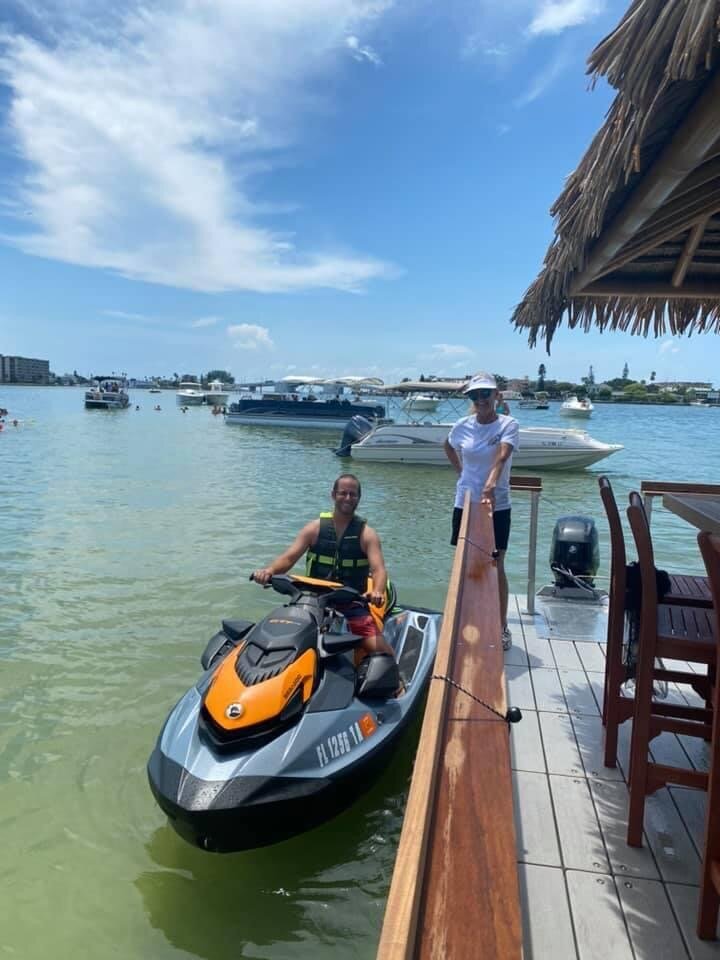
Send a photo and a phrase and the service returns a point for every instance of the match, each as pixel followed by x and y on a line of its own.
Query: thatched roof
pixel 637 234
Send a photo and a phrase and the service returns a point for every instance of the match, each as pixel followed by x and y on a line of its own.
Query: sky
pixel 275 187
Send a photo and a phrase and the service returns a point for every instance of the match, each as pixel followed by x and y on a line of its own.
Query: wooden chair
pixel 674 632
pixel 710 877
pixel 616 707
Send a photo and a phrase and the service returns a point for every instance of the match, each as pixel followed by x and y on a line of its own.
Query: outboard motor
pixel 575 557
pixel 355 429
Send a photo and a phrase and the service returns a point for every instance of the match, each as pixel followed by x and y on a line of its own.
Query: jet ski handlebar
pixel 335 596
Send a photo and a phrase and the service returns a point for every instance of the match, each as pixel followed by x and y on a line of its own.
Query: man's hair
pixel 347 476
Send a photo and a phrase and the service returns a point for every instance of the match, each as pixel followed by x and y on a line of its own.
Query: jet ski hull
pixel 227 797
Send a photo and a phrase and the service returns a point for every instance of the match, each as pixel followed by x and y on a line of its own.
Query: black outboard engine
pixel 575 556
pixel 355 429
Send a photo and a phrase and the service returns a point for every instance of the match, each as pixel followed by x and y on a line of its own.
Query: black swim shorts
pixel 501 526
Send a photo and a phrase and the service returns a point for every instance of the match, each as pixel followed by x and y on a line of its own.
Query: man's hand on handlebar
pixel 262 575
pixel 375 598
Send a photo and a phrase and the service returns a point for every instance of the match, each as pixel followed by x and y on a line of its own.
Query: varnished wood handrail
pixel 525 483
pixel 397 940
pixel 655 488
pixel 457 855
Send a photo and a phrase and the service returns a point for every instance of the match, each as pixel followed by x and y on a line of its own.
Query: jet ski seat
pixel 275 643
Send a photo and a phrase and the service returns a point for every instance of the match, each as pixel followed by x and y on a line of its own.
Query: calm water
pixel 124 538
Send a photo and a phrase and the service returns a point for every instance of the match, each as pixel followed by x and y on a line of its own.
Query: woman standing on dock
pixel 480 448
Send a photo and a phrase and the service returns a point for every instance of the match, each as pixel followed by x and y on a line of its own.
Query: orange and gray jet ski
pixel 282 731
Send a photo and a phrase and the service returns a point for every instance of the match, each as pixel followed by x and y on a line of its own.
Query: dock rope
pixel 513 714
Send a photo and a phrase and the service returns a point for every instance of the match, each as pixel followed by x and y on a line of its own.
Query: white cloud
pixel 140 132
pixel 249 336
pixel 476 44
pixel 205 322
pixel 543 80
pixel 668 346
pixel 362 53
pixel 123 315
pixel 451 350
pixel 554 16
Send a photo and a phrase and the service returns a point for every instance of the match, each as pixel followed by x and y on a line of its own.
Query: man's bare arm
pixel 370 543
pixel 287 560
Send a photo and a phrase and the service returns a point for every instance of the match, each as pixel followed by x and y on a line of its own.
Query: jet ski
pixel 282 730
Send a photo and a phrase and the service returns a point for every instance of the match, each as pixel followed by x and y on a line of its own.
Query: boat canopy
pixel 447 387
pixel 333 381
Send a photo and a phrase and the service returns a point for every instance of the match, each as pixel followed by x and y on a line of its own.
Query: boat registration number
pixel 340 744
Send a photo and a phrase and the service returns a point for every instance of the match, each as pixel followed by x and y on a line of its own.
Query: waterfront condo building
pixel 24 370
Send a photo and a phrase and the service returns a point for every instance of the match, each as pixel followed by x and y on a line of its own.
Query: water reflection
pixel 326 887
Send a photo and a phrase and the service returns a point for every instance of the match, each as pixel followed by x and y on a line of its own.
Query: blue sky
pixel 318 186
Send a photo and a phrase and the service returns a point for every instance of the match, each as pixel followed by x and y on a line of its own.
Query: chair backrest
pixel 618 556
pixel 643 544
pixel 710 549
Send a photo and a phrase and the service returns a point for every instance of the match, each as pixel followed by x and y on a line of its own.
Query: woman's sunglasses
pixel 480 395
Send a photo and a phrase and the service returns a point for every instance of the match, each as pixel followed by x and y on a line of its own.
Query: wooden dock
pixel 513 842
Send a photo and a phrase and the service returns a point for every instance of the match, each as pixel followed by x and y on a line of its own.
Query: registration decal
pixel 340 744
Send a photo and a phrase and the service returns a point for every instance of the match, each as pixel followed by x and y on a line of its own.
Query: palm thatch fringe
pixel 656 45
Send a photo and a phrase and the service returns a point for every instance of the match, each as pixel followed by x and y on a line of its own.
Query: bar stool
pixel 678 633
pixel 710 877
pixel 616 707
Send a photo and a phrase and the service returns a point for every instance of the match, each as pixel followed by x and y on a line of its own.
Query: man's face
pixel 346 497
pixel 483 399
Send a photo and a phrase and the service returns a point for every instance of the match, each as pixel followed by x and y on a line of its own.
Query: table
pixel 702 510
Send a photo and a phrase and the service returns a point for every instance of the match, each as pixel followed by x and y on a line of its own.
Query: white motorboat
pixel 190 394
pixel 216 395
pixel 421 402
pixel 577 407
pixel 545 448
pixel 107 393
pixel 309 402
pixel 536 401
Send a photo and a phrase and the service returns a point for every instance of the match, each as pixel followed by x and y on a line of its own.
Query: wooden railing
pixel 454 892
pixel 656 488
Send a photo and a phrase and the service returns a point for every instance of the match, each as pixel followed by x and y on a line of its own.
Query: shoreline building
pixel 24 370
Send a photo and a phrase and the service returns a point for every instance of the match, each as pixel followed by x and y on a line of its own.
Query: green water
pixel 124 538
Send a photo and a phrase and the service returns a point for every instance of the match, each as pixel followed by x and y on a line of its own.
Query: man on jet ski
pixel 341 547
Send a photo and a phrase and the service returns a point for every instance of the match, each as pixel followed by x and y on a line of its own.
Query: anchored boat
pixel 107 393
pixel 312 402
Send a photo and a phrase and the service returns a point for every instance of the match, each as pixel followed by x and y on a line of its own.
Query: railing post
pixel 647 503
pixel 532 551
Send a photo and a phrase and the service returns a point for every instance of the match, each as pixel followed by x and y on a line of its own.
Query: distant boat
pixel 216 395
pixel 107 393
pixel 574 407
pixel 155 390
pixel 323 406
pixel 420 401
pixel 537 401
pixel 190 394
pixel 544 448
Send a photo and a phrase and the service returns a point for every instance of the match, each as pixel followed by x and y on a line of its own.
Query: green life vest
pixel 343 560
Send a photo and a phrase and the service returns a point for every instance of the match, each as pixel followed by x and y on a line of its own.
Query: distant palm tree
pixel 652 377
pixel 541 377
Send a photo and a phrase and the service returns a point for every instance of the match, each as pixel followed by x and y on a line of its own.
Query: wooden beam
pixel 685 258
pixel 628 287
pixel 709 171
pixel 686 150
pixel 649 241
